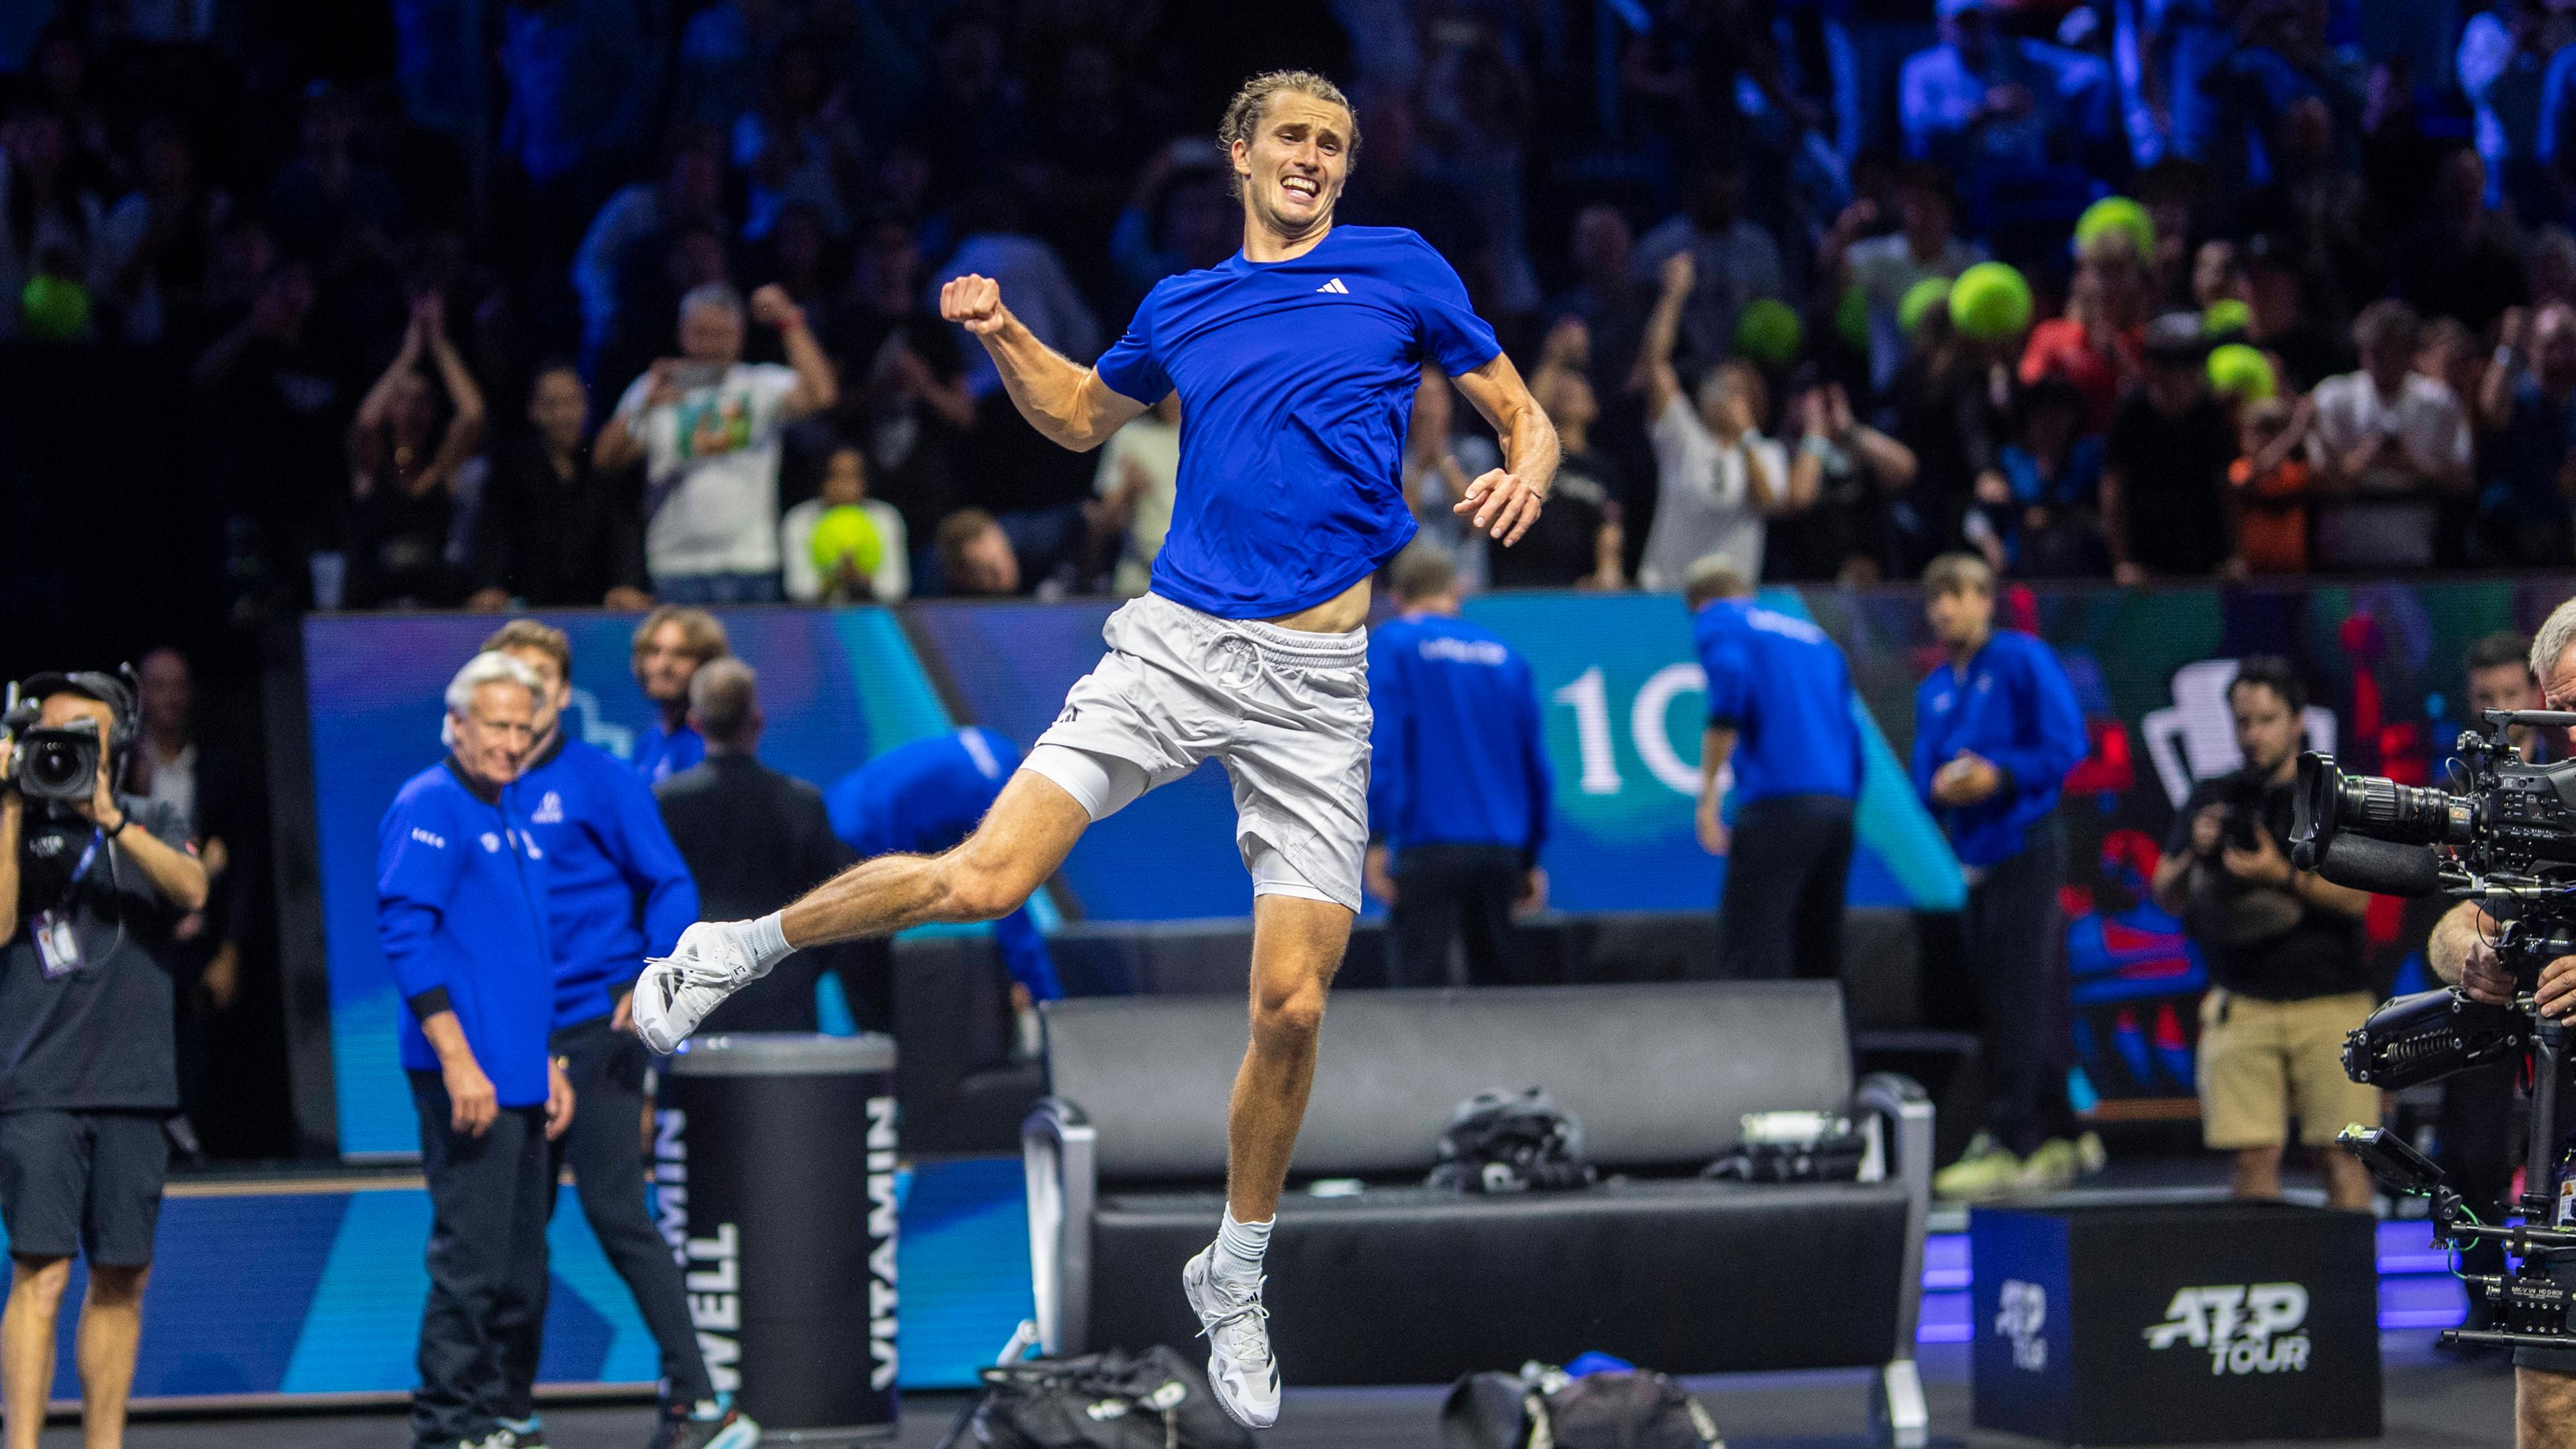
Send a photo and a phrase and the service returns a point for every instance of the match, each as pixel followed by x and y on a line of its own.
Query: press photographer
pixel 93 881
pixel 2284 950
pixel 2462 953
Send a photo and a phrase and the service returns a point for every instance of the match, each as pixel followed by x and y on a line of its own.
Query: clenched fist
pixel 974 302
pixel 772 307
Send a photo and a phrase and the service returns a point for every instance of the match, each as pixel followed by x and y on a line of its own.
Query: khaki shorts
pixel 2263 1061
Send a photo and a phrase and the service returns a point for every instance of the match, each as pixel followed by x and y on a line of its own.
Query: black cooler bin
pixel 784 1146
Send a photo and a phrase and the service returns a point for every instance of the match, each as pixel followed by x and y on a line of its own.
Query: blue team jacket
pixel 1782 685
pixel 1457 756
pixel 605 848
pixel 461 916
pixel 2016 709
pixel 661 753
pixel 927 796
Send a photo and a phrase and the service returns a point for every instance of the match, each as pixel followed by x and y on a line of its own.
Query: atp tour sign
pixel 2176 1323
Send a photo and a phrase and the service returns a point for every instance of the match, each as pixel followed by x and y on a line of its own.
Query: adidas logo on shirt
pixel 1335 287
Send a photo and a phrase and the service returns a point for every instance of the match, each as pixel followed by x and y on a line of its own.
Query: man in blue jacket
pixel 923 798
pixel 461 917
pixel 1996 729
pixel 1459 783
pixel 670 645
pixel 1779 712
pixel 606 852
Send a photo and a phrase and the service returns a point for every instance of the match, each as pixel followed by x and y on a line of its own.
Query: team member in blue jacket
pixel 922 798
pixel 1459 784
pixel 606 851
pixel 461 918
pixel 1779 711
pixel 670 645
pixel 1996 728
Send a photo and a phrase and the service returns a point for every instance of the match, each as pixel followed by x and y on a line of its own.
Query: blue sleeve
pixel 1923 763
pixel 2049 738
pixel 1130 366
pixel 1542 775
pixel 644 850
pixel 2553 99
pixel 419 856
pixel 1450 332
pixel 1725 665
pixel 1024 955
pixel 1392 705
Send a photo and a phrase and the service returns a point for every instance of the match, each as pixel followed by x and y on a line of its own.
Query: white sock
pixel 1239 1246
pixel 769 942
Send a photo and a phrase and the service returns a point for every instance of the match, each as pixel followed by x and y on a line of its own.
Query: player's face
pixel 553 690
pixel 665 664
pixel 1293 167
pixel 1959 615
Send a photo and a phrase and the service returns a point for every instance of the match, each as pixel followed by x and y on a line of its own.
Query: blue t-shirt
pixel 1456 753
pixel 1782 685
pixel 1296 381
pixel 2015 708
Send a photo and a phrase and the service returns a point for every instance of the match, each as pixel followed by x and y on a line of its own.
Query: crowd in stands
pixel 583 302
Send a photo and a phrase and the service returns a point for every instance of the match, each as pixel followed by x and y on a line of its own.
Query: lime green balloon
pixel 1990 303
pixel 2120 214
pixel 2238 371
pixel 1851 318
pixel 2224 316
pixel 55 308
pixel 1768 331
pixel 846 533
pixel 1920 298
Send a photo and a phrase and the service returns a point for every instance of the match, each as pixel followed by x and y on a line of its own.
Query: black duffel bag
pixel 1542 1408
pixel 1113 1400
pixel 1511 1142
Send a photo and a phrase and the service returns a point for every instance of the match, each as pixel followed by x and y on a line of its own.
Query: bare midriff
pixel 1339 614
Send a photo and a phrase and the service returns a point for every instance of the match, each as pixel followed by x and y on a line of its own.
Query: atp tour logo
pixel 2247 1330
pixel 2022 1313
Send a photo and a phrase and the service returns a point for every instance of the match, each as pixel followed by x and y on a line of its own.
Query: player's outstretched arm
pixel 1068 403
pixel 1505 502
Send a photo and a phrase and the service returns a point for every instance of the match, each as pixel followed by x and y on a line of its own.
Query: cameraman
pixel 2544 1380
pixel 2284 946
pixel 90 892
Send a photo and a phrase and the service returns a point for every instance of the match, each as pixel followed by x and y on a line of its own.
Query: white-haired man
pixel 707 425
pixel 1296 362
pixel 2544 1380
pixel 461 917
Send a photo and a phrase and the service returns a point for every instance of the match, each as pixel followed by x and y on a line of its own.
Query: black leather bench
pixel 1399 1284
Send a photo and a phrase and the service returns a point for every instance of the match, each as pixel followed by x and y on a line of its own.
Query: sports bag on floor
pixel 1511 1142
pixel 1113 1400
pixel 1541 1408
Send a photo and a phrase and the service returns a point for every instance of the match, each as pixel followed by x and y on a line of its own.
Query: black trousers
pixel 1455 892
pixel 487 1264
pixel 1781 914
pixel 2014 932
pixel 605 1148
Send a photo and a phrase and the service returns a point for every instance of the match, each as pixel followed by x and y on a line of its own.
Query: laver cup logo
pixel 2021 1312
pixel 2246 1329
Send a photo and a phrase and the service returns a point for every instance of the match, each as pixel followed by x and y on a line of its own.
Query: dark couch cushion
pixel 1659 1074
pixel 1685 1277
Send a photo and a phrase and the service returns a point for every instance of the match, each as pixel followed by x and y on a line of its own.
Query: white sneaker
pixel 714 960
pixel 1237 1328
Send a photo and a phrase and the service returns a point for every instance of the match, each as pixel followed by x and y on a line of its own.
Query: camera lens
pixel 2385 810
pixel 53 766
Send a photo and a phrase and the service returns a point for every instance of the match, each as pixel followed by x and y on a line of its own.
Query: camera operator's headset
pixel 121 692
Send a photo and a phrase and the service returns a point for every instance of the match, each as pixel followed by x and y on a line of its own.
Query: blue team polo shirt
pixel 1782 685
pixel 1296 381
pixel 1456 752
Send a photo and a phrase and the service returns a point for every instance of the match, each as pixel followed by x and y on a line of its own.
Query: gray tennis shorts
pixel 1287 711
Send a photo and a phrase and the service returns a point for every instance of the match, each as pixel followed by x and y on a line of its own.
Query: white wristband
pixel 769 940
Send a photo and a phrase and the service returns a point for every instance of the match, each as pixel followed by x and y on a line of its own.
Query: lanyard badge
pixel 58 946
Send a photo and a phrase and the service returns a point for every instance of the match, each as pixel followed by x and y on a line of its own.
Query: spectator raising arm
pixel 817 387
pixel 1663 328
